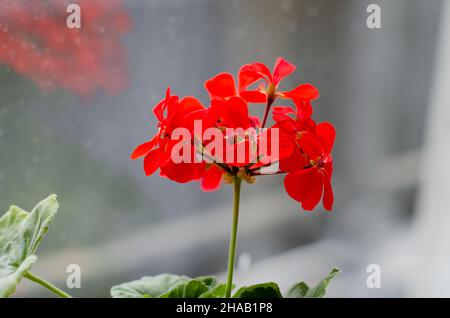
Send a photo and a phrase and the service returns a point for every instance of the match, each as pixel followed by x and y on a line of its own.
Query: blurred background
pixel 75 103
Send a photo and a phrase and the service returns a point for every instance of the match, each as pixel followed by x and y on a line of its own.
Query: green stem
pixel 47 285
pixel 233 239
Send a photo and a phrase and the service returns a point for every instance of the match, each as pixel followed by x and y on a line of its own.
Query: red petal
pixel 158 110
pixel 304 108
pixel 296 161
pixel 250 73
pixel 246 78
pixel 282 115
pixel 185 107
pixel 328 196
pixel 235 112
pixel 313 196
pixel 254 96
pixel 305 186
pixel 281 70
pixel 190 119
pixel 182 172
pixel 165 150
pixel 326 134
pixel 310 145
pixel 296 185
pixel 285 150
pixel 283 144
pixel 302 92
pixel 189 104
pixel 212 178
pixel 144 148
pixel 172 106
pixel 238 107
pixel 151 162
pixel 222 85
pixel 161 106
pixel 283 110
pixel 286 145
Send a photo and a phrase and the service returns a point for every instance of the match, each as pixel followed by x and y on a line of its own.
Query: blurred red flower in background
pixel 36 42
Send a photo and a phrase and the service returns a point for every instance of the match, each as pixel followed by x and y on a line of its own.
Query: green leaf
pixel 148 286
pixel 209 281
pixel 10 277
pixel 20 234
pixel 302 290
pixel 170 286
pixel 299 290
pixel 191 289
pixel 216 292
pixel 264 290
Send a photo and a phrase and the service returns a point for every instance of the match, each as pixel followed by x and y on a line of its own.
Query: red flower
pixel 170 113
pixel 231 117
pixel 37 44
pixel 232 149
pixel 290 123
pixel 310 167
pixel 267 91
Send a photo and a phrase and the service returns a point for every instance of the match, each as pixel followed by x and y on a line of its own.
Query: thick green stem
pixel 55 290
pixel 233 238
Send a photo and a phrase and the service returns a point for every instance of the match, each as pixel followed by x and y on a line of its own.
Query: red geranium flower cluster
pixel 295 144
pixel 36 42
